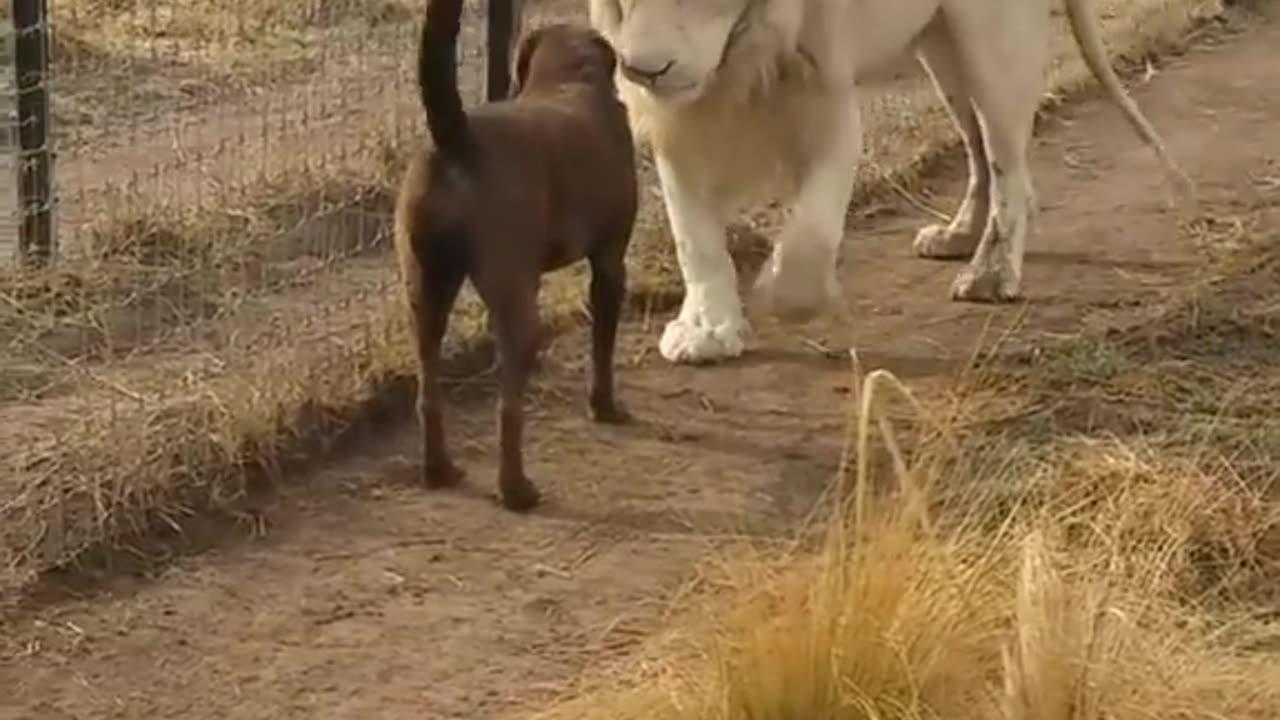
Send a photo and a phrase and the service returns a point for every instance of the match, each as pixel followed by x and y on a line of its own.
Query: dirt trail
pixel 369 598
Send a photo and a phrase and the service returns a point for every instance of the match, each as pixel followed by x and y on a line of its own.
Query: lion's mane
pixel 754 130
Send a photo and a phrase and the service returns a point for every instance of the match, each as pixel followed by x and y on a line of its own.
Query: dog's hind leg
pixel 514 304
pixel 490 327
pixel 608 289
pixel 431 294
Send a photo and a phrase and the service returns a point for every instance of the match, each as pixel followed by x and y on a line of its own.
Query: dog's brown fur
pixel 504 194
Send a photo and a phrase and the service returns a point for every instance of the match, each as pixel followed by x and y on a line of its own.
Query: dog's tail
pixel 438 79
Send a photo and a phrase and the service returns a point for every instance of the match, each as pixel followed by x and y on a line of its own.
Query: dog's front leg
pixel 799 280
pixel 608 290
pixel 711 325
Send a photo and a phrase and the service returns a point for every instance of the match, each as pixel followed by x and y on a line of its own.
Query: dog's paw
pixel 609 413
pixel 518 494
pixel 442 475
pixel 697 341
pixel 795 296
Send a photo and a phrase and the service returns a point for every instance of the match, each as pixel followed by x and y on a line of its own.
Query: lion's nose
pixel 644 72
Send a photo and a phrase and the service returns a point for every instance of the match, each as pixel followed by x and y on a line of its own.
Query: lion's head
pixel 678 50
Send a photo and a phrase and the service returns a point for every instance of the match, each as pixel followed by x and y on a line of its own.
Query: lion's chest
pixel 752 151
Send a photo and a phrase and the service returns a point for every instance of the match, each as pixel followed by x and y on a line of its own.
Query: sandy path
pixel 369 598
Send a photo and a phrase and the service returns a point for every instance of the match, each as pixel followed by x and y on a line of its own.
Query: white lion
pixel 747 100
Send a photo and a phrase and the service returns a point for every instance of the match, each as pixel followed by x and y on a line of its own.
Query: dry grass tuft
pixel 962 625
pixel 132 27
pixel 1104 580
pixel 150 269
pixel 133 372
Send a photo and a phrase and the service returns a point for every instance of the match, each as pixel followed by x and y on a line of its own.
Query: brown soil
pixel 364 596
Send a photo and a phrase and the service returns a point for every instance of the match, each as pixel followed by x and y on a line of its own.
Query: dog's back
pixel 564 163
pixel 556 160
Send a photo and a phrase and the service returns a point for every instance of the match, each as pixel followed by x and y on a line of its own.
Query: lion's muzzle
pixel 646 72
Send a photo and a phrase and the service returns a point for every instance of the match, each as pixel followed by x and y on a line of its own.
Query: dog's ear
pixel 524 54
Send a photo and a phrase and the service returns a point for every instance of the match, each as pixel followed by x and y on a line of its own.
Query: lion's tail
pixel 1088 34
pixel 438 79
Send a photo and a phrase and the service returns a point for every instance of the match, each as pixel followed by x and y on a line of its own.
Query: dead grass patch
pixel 1075 607
pixel 1035 570
pixel 123 64
pixel 191 350
pixel 134 28
pixel 137 275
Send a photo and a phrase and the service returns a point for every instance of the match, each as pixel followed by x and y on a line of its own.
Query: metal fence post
pixel 502 25
pixel 31 69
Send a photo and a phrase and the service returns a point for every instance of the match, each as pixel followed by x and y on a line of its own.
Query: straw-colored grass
pixel 132 435
pixel 122 66
pixel 1025 576
pixel 97 29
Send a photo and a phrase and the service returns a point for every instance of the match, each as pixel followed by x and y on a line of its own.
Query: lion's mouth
pixel 673 93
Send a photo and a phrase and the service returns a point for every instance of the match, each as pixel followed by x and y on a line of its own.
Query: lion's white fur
pixel 778 117
pixel 758 103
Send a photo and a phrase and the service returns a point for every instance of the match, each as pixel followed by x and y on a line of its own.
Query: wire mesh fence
pixel 9 219
pixel 9 164
pixel 220 203
pixel 204 150
pixel 163 104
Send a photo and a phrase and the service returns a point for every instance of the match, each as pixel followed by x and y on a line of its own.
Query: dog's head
pixel 561 53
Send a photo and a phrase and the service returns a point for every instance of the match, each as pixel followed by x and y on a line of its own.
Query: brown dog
pixel 508 192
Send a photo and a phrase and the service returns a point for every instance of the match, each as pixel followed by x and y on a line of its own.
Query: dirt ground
pixel 366 597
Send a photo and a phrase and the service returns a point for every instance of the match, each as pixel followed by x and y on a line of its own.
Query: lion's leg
pixel 960 237
pixel 711 325
pixel 1006 94
pixel 799 280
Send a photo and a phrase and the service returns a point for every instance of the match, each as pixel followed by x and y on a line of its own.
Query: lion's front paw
pixel 696 341
pixel 795 297
pixel 942 242
pixel 986 285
